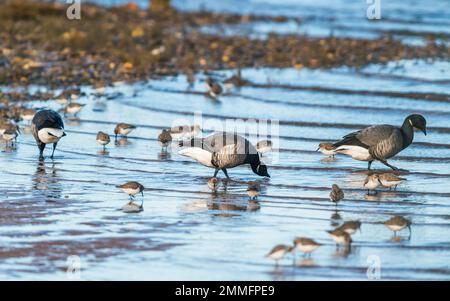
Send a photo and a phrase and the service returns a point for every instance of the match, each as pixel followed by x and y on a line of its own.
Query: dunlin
pixel 381 142
pixel 103 139
pixel 47 127
pixel 305 245
pixel 73 108
pixel 10 135
pixel 327 149
pixel 350 227
pixel 340 237
pixel 213 184
pixel 336 194
pixel 123 129
pixel 132 188
pixel 278 252
pixel 372 182
pixel 164 139
pixel 214 88
pixel 28 114
pixel 398 223
pixel 253 190
pixel 390 180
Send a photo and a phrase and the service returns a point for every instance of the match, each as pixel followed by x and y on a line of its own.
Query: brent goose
pixel 223 150
pixel 47 127
pixel 123 129
pixel 350 227
pixel 381 142
pixel 398 223
pixel 103 139
pixel 390 180
pixel 306 245
pixel 214 88
pixel 336 194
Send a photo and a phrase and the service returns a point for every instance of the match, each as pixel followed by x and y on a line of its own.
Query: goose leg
pixel 215 173
pixel 369 165
pixel 53 152
pixel 41 151
pixel 388 165
pixel 225 172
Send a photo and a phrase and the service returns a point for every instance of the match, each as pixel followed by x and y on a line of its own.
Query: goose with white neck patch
pixel 47 127
pixel 381 142
pixel 222 151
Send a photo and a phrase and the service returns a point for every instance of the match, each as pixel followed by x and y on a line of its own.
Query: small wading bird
pixel 164 139
pixel 10 136
pixel 103 139
pixel 73 108
pixel 185 131
pixel 305 245
pixel 123 129
pixel 372 182
pixel 327 149
pixel 336 194
pixel 214 88
pixel 213 184
pixel 390 180
pixel 47 127
pixel 350 227
pixel 222 151
pixel 253 190
pixel 398 223
pixel 27 114
pixel 264 146
pixel 381 142
pixel 278 252
pixel 340 237
pixel 132 188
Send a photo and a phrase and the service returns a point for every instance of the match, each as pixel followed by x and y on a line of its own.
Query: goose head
pixel 260 169
pixel 418 121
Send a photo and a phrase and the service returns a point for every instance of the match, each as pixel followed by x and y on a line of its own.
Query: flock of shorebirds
pixel 223 151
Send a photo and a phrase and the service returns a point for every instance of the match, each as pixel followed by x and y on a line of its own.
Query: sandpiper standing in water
pixel 10 136
pixel 398 223
pixel 73 108
pixel 47 127
pixel 264 146
pixel 164 139
pixel 390 180
pixel 103 139
pixel 213 184
pixel 306 245
pixel 372 182
pixel 336 194
pixel 132 188
pixel 350 227
pixel 327 149
pixel 340 237
pixel 123 129
pixel 253 190
pixel 278 252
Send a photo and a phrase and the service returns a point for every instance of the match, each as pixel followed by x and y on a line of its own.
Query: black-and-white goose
pixel 47 127
pixel 381 142
pixel 222 151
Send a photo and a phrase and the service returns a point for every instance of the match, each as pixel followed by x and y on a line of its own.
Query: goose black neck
pixel 407 132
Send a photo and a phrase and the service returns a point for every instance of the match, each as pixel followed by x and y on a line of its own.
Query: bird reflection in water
pixel 46 182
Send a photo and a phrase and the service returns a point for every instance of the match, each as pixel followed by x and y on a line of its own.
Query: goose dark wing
pixel 47 119
pixel 367 137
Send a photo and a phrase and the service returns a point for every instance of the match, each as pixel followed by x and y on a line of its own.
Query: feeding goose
pixel 223 150
pixel 47 127
pixel 381 142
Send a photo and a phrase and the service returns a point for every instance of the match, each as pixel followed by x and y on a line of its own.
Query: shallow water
pixel 70 206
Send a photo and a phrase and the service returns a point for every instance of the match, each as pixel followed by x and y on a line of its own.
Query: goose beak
pixel 64 134
pixel 424 131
